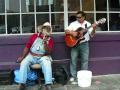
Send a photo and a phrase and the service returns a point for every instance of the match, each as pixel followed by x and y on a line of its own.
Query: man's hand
pixel 19 59
pixel 45 38
pixel 94 30
pixel 74 34
pixel 94 26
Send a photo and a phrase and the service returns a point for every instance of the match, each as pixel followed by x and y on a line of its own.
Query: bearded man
pixel 37 51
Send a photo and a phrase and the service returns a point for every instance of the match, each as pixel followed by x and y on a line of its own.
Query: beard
pixel 46 32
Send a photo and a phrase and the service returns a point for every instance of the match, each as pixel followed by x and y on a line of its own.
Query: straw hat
pixel 47 24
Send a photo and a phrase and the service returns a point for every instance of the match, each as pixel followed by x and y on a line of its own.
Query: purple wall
pixel 104 52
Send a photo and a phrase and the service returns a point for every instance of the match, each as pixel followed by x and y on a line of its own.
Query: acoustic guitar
pixel 73 41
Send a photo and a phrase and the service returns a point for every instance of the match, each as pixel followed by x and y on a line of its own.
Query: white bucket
pixel 84 78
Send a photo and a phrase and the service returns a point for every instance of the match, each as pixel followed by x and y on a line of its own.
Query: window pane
pixel 58 22
pixel 27 6
pixel 2 24
pixel 114 21
pixel 12 6
pixel 102 27
pixel 101 5
pixel 71 17
pixel 28 23
pixel 42 18
pixel 73 5
pixel 57 5
pixel 90 17
pixel 42 5
pixel 2 6
pixel 114 5
pixel 13 24
pixel 88 5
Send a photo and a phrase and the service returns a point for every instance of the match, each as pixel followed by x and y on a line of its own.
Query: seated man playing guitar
pixel 79 36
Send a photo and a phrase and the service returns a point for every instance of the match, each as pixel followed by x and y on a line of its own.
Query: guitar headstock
pixel 101 21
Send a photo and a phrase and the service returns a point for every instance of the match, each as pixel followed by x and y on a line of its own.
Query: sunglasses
pixel 78 17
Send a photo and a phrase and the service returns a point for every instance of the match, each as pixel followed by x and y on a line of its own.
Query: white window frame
pixel 65 15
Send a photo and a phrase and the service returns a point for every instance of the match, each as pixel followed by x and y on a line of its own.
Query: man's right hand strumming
pixel 73 33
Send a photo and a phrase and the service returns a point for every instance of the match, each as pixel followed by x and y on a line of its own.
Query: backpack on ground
pixel 6 77
pixel 61 75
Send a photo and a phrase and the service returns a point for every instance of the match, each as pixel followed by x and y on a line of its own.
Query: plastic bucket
pixel 84 78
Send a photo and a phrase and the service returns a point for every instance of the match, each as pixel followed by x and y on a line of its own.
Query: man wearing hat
pixel 37 51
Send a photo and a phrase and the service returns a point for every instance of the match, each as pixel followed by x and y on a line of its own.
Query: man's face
pixel 80 18
pixel 46 30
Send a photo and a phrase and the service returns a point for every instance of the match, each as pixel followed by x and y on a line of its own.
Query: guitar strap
pixel 86 29
pixel 85 25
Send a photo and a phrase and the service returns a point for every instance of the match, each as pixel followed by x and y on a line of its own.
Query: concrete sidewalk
pixel 102 82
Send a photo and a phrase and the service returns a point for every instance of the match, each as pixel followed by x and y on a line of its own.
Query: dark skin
pixel 27 50
pixel 47 49
pixel 25 53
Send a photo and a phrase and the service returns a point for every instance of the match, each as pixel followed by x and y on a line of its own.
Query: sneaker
pixel 73 80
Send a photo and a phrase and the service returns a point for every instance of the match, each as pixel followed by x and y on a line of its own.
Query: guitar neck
pixel 90 26
pixel 100 21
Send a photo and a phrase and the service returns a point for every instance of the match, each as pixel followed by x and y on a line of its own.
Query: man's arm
pixel 48 45
pixel 24 54
pixel 27 48
pixel 94 30
pixel 70 32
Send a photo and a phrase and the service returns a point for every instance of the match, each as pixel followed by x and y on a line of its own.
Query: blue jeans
pixel 45 63
pixel 82 50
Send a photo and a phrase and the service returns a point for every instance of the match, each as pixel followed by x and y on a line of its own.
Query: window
pixel 114 15
pixel 23 16
pixel 13 24
pixel 94 9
